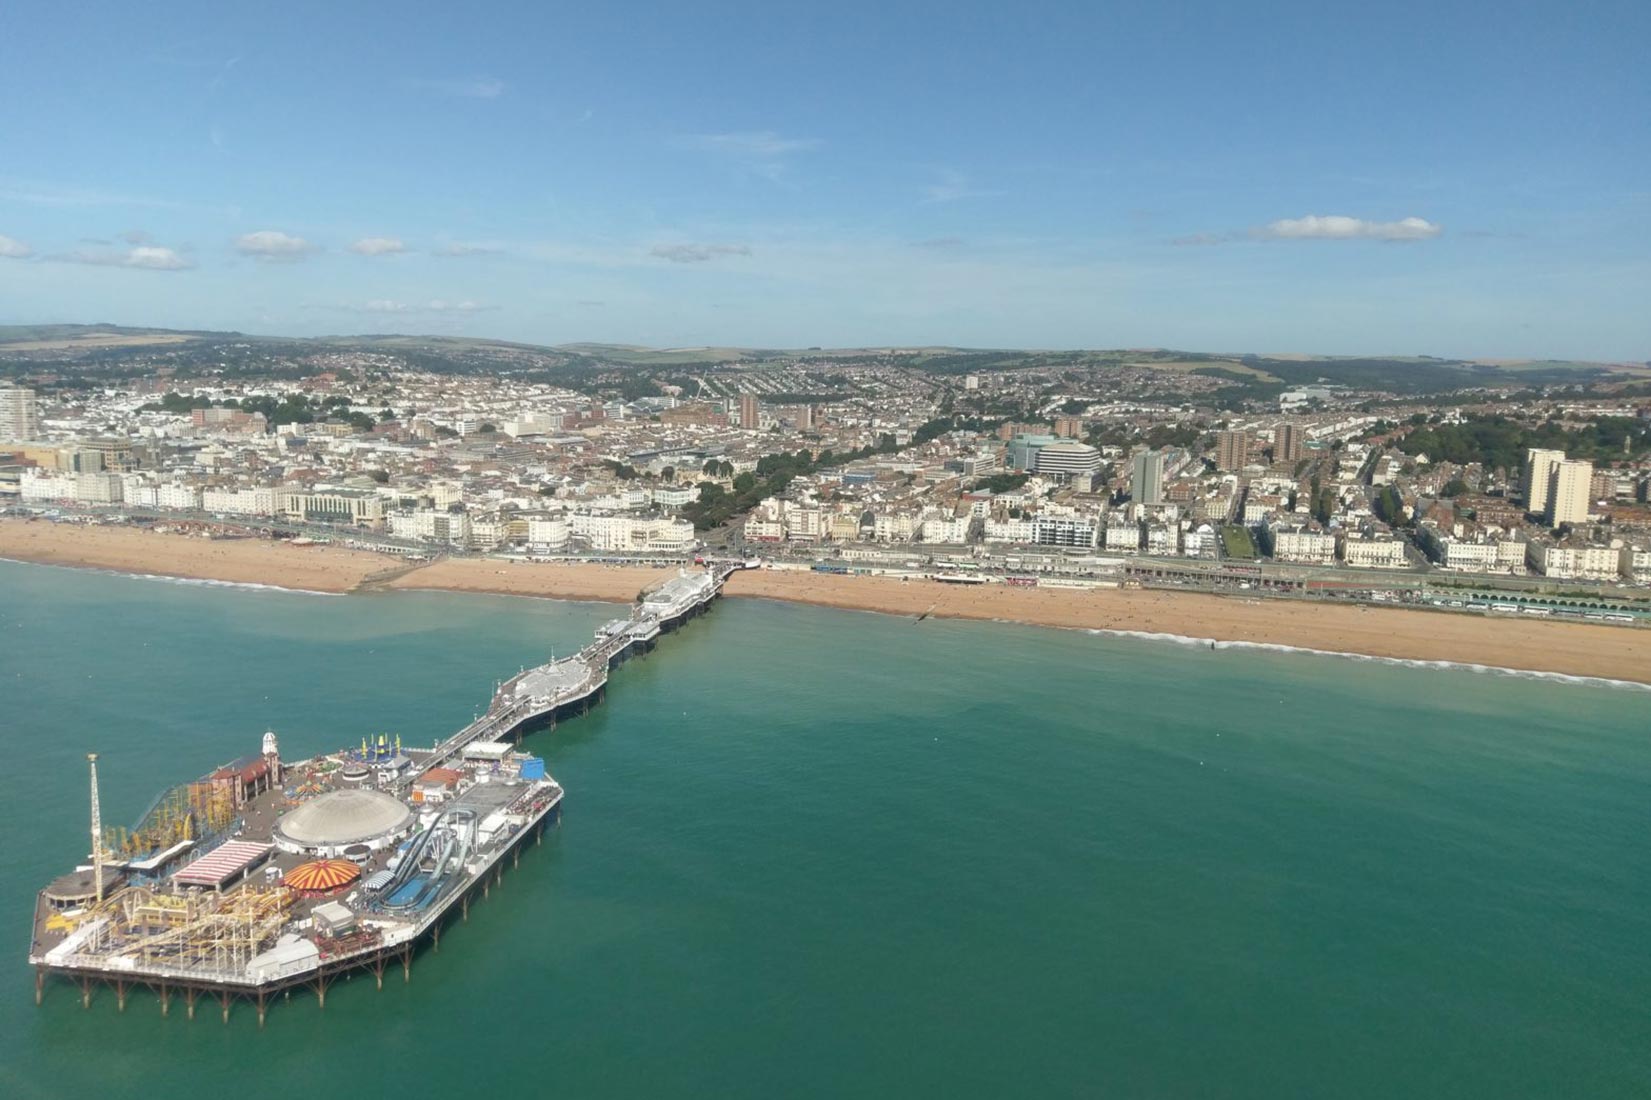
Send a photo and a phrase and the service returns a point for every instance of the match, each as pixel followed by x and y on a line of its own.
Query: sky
pixel 1453 178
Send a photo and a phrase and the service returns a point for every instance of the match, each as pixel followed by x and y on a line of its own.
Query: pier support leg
pixel 486 885
pixel 85 993
pixel 39 985
pixel 378 970
pixel 189 1000
pixel 464 913
pixel 515 858
pixel 261 1010
pixel 435 937
pixel 321 993
pixel 166 999
pixel 407 965
pixel 226 999
pixel 120 995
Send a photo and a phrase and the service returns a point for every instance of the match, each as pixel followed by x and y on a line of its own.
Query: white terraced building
pixel 548 534
pixel 1373 551
pixel 641 534
pixel 1579 563
pixel 1297 544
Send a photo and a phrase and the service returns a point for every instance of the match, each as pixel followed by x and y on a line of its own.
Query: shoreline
pixel 1426 638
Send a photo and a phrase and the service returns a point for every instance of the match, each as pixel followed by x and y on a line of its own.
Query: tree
pixel 1390 506
pixel 1455 487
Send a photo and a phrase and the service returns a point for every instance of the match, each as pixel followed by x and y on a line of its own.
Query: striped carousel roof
pixel 322 875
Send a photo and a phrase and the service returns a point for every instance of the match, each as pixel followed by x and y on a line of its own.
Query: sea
pixel 810 852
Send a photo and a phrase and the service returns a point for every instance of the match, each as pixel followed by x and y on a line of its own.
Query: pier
pixel 538 697
pixel 265 876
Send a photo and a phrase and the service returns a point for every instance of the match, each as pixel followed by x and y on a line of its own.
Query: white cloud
pixel 474 87
pixel 697 253
pixel 148 257
pixel 1336 227
pixel 750 143
pixel 156 258
pixel 13 249
pixel 378 246
pixel 270 244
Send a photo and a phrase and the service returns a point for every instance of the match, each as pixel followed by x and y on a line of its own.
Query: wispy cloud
pixel 148 257
pixel 273 245
pixel 749 143
pixel 952 186
pixel 1316 227
pixel 1337 227
pixel 222 74
pixel 50 194
pixel 13 249
pixel 434 305
pixel 137 236
pixel 461 248
pixel 696 253
pixel 378 246
pixel 471 87
pixel 939 244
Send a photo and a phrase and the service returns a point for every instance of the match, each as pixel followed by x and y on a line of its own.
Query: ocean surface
pixel 820 853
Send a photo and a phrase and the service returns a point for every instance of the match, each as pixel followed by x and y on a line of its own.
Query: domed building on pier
pixel 329 823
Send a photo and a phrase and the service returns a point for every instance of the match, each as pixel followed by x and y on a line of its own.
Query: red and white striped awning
pixel 222 863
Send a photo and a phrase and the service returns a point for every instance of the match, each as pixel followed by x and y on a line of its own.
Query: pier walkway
pixel 539 694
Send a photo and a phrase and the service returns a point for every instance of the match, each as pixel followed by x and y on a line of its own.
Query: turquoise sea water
pixel 809 852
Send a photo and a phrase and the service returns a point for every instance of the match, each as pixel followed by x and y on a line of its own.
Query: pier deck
pixel 458 810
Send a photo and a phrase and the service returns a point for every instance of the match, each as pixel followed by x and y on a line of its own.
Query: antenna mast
pixel 97 832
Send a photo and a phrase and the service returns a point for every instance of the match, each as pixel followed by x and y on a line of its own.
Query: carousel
pixel 321 877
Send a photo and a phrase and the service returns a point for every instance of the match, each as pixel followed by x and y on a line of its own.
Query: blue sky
pixel 1443 178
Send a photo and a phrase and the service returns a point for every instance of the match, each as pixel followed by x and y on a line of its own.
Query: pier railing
pixel 507 710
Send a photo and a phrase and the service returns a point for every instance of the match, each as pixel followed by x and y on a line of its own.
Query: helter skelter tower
pixel 97 832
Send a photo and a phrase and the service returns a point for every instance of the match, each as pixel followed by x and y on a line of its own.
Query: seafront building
pixel 19 414
pixel 1147 478
pixel 1570 486
pixel 495 464
pixel 1539 467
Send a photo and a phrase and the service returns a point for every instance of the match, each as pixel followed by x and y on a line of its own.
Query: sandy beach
pixel 137 550
pixel 1577 649
pixel 618 583
pixel 1537 645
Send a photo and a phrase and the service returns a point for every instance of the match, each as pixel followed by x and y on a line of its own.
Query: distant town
pixel 1516 488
